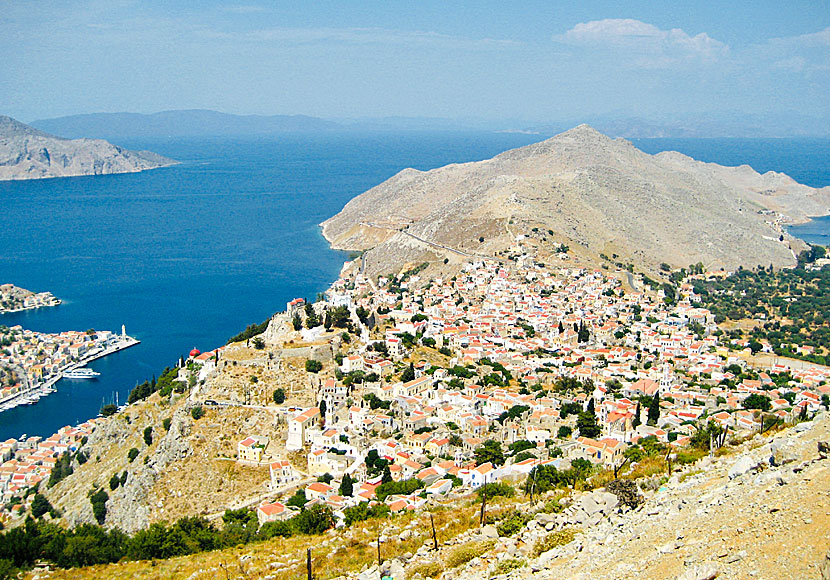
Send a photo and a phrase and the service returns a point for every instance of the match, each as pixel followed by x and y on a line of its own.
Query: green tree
pixel 313 366
pixel 296 322
pixel 315 520
pixel 636 421
pixel 489 452
pixel 346 486
pixel 108 410
pixel 297 500
pixel 40 505
pixel 408 374
pixel 654 410
pixel 756 401
pixel 387 475
pixel 587 425
pixel 148 435
pixel 279 396
pixel 98 500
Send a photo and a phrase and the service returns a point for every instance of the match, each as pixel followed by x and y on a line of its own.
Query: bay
pixel 186 256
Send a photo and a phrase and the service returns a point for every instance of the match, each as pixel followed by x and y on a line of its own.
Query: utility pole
pixel 308 562
pixel 483 506
pixel 434 536
pixel 380 561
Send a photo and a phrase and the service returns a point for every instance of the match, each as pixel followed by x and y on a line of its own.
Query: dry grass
pixel 463 554
pixel 428 569
pixel 554 540
pixel 509 565
pixel 333 554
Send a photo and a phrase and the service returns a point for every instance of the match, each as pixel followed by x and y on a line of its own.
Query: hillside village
pixel 404 391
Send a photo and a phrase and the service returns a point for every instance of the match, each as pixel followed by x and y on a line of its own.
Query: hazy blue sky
pixel 539 61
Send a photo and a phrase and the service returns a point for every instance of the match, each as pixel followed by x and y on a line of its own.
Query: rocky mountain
pixel 589 191
pixel 27 153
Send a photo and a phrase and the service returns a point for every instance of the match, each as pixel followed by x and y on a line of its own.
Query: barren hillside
pixel 26 153
pixel 603 195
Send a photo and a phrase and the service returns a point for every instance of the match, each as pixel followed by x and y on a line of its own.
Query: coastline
pixel 26 397
pixel 25 308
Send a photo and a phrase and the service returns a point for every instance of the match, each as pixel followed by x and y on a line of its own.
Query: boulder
pixel 703 572
pixel 783 451
pixel 743 465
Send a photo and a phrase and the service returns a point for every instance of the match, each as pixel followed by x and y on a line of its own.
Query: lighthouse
pixel 123 332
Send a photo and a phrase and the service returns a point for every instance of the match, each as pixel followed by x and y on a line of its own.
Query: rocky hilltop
pixel 26 153
pixel 586 190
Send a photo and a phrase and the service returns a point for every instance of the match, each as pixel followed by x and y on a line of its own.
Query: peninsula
pixel 14 299
pixel 602 197
pixel 26 153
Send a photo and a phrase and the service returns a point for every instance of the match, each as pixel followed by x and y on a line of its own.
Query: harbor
pixel 69 362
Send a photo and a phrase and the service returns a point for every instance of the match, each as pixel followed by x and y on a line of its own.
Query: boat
pixel 82 373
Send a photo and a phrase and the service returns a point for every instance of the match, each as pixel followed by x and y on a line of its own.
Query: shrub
pixel 495 489
pixel 40 505
pixel 148 436
pixel 197 413
pixel 315 520
pixel 428 569
pixel 132 454
pixel 626 491
pixel 313 366
pixel 99 505
pixel 166 424
pixel 108 410
pixel 554 540
pixel 512 523
pixel 467 552
pixel 510 564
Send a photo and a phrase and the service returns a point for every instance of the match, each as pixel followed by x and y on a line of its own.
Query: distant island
pixel 27 153
pixel 199 123
pixel 601 198
pixel 14 299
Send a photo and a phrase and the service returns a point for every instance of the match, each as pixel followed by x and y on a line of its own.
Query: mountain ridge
pixel 29 153
pixel 603 195
pixel 181 123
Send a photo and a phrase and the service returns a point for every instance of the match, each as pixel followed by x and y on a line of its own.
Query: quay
pixel 33 393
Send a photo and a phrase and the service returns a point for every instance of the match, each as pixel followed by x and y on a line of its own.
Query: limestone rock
pixel 26 153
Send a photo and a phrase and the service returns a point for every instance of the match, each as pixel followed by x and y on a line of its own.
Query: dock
pixel 34 393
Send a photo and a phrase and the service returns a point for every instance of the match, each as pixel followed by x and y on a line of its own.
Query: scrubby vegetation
pixel 794 305
pixel 87 545
pixel 250 331
pixel 554 540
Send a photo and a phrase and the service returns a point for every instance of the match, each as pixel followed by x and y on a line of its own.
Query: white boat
pixel 82 373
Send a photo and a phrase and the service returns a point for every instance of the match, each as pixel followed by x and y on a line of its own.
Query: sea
pixel 186 256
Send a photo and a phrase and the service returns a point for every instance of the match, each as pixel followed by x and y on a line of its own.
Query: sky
pixel 539 61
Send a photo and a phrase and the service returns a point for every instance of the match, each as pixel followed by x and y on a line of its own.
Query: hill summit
pixel 27 153
pixel 601 195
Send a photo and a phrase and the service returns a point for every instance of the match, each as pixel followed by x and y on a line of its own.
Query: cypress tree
pixel 346 486
pixel 654 410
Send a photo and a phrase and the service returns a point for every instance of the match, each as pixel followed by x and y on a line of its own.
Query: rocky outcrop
pixel 26 153
pixel 128 508
pixel 587 190
pixel 761 512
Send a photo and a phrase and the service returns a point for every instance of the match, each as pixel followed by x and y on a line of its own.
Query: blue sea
pixel 187 256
